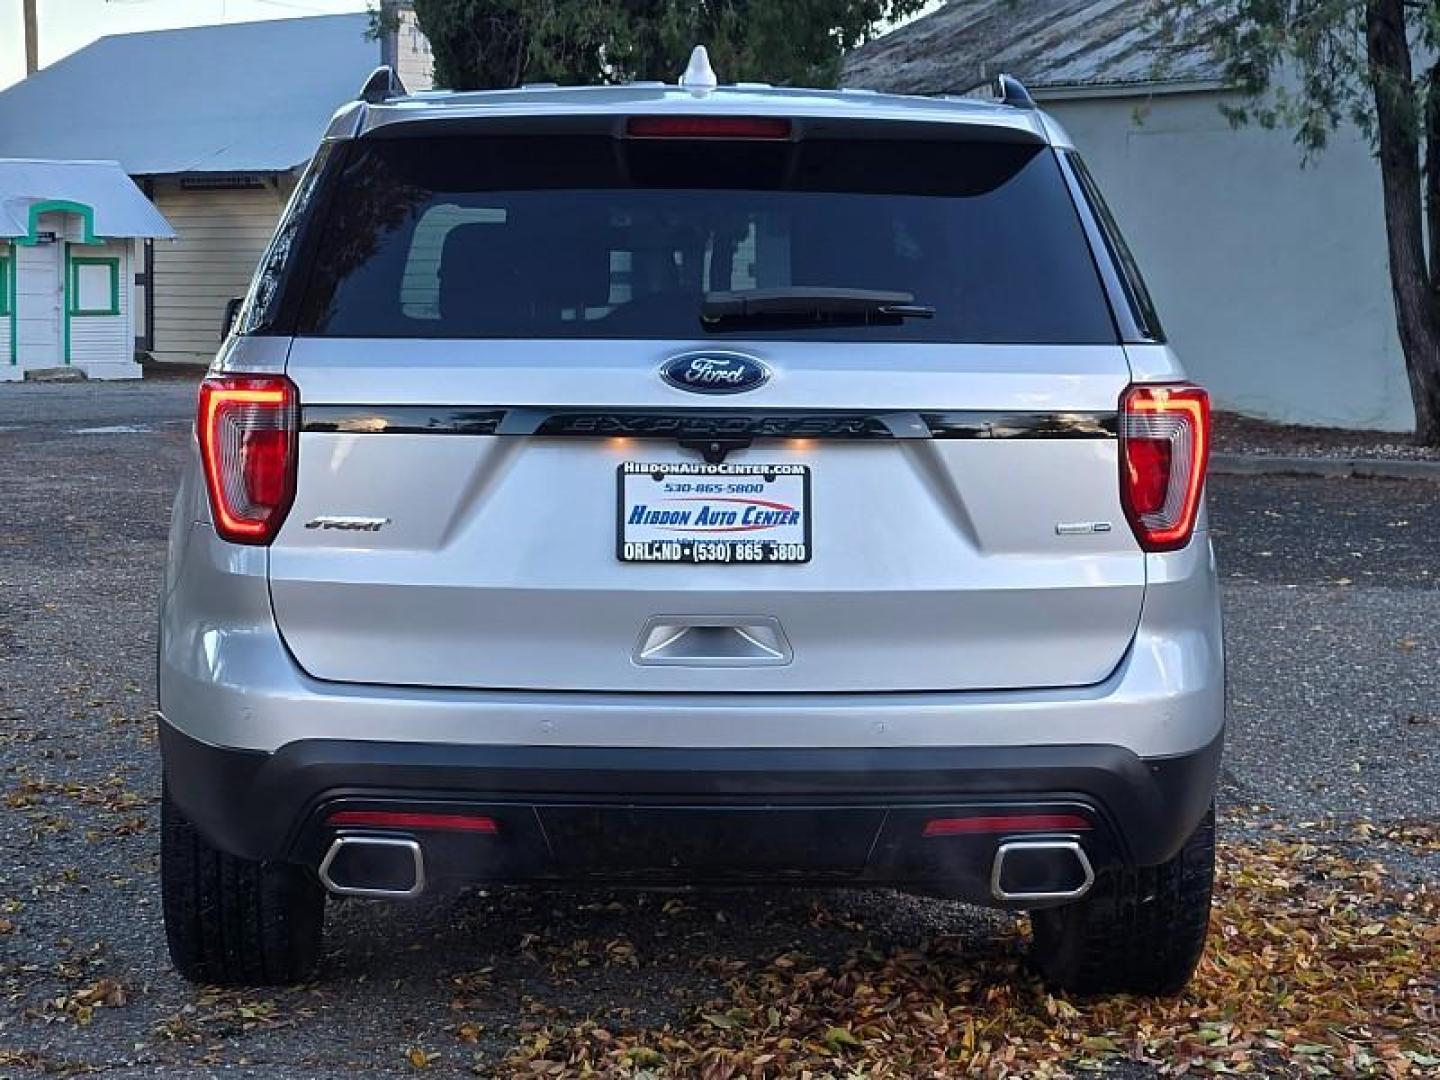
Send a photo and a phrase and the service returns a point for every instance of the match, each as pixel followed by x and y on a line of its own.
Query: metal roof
pixel 114 204
pixel 237 97
pixel 1045 43
pixel 651 98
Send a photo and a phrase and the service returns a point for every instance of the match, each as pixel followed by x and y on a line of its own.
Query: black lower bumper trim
pixel 272 806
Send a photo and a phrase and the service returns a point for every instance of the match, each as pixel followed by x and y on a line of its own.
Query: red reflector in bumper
pixel 386 819
pixel 969 826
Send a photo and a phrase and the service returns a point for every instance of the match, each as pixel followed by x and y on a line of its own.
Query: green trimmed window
pixel 94 286
pixel 7 267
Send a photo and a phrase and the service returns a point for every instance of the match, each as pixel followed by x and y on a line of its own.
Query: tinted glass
pixel 1136 293
pixel 589 236
pixel 274 285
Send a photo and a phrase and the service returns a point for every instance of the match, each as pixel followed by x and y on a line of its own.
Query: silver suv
pixel 689 484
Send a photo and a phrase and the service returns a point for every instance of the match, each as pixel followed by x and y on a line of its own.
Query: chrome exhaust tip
pixel 379 867
pixel 1035 871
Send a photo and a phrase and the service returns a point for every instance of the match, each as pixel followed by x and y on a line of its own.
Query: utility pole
pixel 389 25
pixel 32 47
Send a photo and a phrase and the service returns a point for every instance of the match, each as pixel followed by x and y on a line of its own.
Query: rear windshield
pixel 579 236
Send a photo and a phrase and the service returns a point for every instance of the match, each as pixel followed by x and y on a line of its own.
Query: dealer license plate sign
pixel 691 512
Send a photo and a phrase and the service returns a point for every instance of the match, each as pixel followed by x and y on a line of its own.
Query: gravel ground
pixel 1332 607
pixel 1235 434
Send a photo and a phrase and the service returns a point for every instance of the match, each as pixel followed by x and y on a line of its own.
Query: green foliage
pixel 1302 64
pixel 496 43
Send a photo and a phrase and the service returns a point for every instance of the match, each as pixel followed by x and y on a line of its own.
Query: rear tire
pixel 1141 930
pixel 232 921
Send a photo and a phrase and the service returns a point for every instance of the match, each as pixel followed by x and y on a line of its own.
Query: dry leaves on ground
pixel 1317 965
pixel 80 1005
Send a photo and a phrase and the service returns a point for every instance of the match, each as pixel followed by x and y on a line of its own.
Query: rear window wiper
pixel 808 305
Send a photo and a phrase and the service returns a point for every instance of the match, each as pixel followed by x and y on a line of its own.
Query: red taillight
pixel 1164 448
pixel 247 426
pixel 1006 823
pixel 707 127
pixel 390 819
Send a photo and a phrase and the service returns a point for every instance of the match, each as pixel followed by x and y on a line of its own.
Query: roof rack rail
pixel 1011 91
pixel 382 85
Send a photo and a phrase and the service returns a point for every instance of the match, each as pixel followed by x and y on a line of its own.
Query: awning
pixel 99 191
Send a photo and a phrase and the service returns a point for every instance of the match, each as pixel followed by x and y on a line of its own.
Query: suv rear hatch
pixel 479 354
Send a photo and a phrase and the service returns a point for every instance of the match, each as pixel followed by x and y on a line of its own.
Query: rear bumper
pixel 693 815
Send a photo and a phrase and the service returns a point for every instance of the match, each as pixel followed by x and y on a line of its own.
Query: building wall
pixel 414 59
pixel 220 236
pixel 1271 277
pixel 106 339
pixel 55 325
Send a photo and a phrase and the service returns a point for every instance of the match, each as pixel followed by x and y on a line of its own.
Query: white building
pixel 214 123
pixel 68 235
pixel 1270 274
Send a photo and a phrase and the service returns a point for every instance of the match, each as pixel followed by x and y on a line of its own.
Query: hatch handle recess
pixel 712 641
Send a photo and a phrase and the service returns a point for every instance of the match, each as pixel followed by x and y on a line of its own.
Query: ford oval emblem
pixel 712 372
